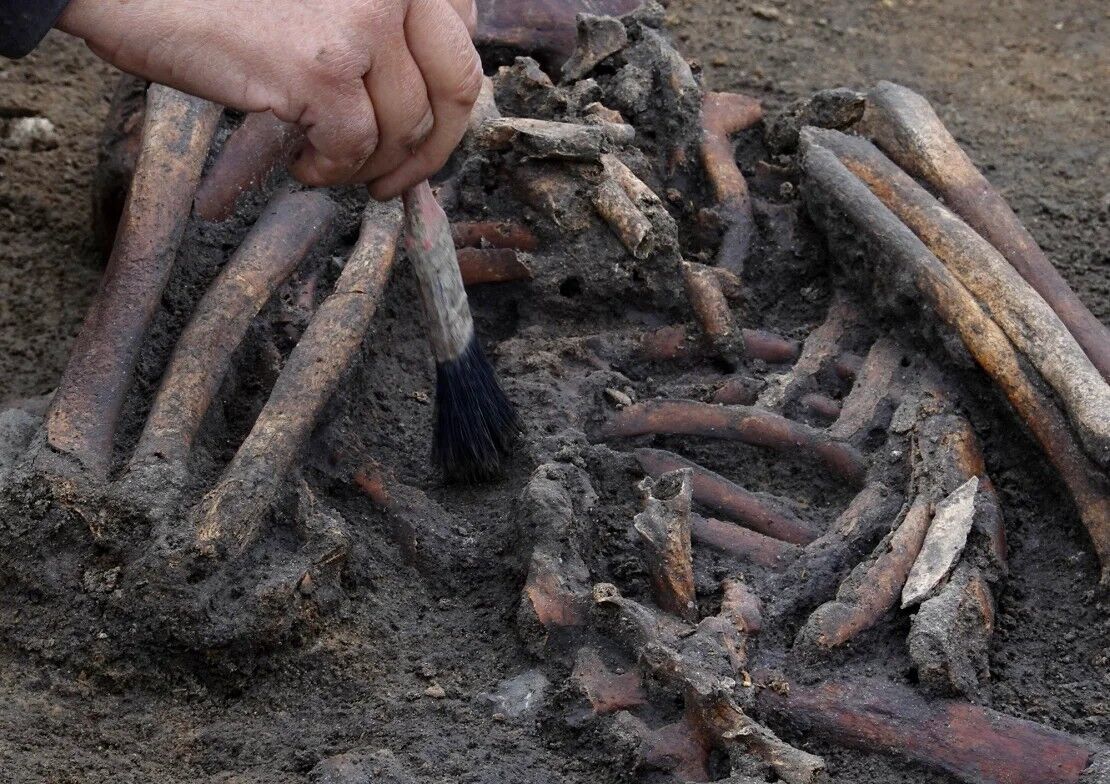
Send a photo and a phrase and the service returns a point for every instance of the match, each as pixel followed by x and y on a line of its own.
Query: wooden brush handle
pixel 432 252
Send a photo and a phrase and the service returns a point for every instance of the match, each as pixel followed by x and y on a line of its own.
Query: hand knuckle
pixel 469 82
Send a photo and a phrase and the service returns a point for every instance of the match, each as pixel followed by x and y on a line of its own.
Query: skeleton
pixel 852 401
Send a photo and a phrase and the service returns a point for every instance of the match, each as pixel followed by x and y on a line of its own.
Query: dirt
pixel 397 665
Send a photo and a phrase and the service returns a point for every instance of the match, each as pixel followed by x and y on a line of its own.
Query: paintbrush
pixel 475 424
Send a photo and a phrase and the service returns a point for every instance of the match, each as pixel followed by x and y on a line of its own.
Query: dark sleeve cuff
pixel 23 23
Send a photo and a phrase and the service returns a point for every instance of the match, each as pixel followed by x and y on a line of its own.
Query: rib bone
pixel 230 515
pixel 82 419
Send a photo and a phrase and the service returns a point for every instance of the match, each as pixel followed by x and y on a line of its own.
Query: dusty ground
pixel 1018 84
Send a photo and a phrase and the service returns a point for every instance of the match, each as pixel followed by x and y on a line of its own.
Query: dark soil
pixel 397 666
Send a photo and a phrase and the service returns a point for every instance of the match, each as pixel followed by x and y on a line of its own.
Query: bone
pixel 177 132
pixel 943 543
pixel 664 529
pixel 491 265
pixel 703 290
pixel 976 745
pixel 762 514
pixel 696 664
pixel 905 126
pixel 626 203
pixel 723 114
pixel 493 234
pixel 820 348
pixel 287 230
pixel 116 156
pixel 598 37
pixel 741 606
pixel 949 640
pixel 821 405
pixel 429 535
pixel 252 152
pixel 567 141
pixel 557 590
pixel 812 578
pixel 737 423
pixel 872 588
pixel 230 516
pixel 832 188
pixel 1028 321
pixel 742 544
pixel 738 390
pixel 874 395
pixel 604 690
pixel 546 28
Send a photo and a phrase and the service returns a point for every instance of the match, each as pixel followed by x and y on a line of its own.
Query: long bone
pixel 82 419
pixel 1028 321
pixel 281 238
pixel 976 745
pixel 230 516
pixel 832 185
pixel 905 126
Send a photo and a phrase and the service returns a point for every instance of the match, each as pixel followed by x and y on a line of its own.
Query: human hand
pixel 382 88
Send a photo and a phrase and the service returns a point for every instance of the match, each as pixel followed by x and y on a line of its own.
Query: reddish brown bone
pixel 729 499
pixel 252 151
pixel 116 156
pixel 545 28
pixel 288 228
pixel 873 587
pixel 909 131
pixel 82 419
pixel 664 529
pixel 954 305
pixel 491 265
pixel 493 234
pixel 737 423
pixel 723 114
pixel 975 744
pixel 707 298
pixel 740 543
pixel 230 515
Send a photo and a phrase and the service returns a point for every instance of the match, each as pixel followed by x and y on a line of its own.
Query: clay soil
pixel 400 669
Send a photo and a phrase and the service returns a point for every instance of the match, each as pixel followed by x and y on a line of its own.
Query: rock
pixel 517 697
pixel 31 133
pixel 435 691
pixel 360 766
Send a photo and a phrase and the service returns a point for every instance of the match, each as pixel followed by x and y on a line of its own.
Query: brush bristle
pixel 476 424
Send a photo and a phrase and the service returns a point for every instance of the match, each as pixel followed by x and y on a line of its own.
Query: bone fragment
pixel 81 422
pixel 741 606
pixel 605 691
pixel 598 37
pixel 535 138
pixel 696 664
pixel 739 423
pixel 711 308
pixel 738 390
pixel 762 514
pixel 875 394
pixel 626 203
pixel 664 529
pixel 230 516
pixel 493 234
pixel 253 151
pixel 546 28
pixel 943 543
pixel 835 108
pixel 949 640
pixel 905 126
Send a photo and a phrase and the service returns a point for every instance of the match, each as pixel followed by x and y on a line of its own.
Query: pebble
pixel 31 133
pixel 435 691
pixel 617 398
pixel 766 12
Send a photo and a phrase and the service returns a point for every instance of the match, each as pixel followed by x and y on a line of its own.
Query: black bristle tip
pixel 476 424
